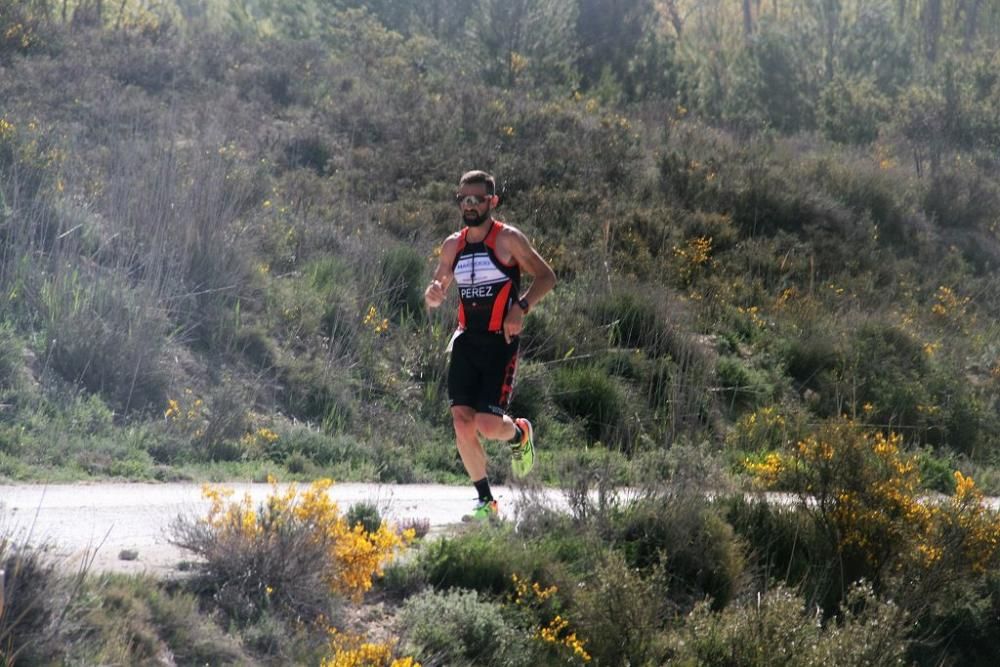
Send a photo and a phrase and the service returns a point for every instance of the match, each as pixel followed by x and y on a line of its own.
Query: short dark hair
pixel 476 176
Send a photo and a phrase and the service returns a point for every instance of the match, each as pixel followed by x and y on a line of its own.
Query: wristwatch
pixel 523 303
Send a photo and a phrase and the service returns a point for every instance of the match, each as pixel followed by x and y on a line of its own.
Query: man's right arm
pixel 435 293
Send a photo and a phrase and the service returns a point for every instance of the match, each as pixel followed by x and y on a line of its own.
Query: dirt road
pixel 115 517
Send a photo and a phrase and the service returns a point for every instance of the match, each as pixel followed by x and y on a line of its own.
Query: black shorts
pixel 482 370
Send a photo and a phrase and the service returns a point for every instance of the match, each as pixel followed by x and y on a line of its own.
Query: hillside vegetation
pixel 776 231
pixel 217 229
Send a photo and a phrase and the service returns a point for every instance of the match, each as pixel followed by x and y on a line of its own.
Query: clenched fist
pixel 434 294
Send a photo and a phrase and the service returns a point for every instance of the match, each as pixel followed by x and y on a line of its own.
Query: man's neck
pixel 479 232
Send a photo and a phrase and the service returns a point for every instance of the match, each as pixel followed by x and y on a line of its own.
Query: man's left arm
pixel 544 279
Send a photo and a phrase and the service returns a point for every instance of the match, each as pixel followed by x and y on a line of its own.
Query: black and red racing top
pixel 486 286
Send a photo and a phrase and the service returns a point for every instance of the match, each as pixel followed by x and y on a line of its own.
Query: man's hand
pixel 513 323
pixel 434 294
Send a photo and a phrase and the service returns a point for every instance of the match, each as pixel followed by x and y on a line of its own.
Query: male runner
pixel 486 258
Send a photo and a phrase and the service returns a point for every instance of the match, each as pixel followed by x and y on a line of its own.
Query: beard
pixel 472 219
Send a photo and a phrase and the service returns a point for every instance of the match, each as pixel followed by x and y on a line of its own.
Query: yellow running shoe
pixel 523 454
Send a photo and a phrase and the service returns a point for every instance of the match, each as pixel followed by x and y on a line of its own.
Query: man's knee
pixel 464 419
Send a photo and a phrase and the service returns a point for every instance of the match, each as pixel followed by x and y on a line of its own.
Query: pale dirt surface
pixel 111 517
pixel 76 519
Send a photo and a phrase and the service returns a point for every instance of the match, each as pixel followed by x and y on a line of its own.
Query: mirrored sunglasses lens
pixel 469 200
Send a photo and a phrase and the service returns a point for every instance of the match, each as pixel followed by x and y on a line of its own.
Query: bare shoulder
pixel 451 243
pixel 511 235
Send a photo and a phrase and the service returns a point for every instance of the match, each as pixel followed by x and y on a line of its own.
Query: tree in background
pixel 526 42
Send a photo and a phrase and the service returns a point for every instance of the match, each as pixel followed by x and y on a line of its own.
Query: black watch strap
pixel 523 303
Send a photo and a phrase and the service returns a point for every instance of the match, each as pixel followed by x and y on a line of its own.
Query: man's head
pixel 476 197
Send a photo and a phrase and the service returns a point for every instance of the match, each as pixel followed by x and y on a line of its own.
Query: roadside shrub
pixel 366 514
pixel 763 430
pixel 936 473
pixel 293 554
pixel 480 560
pixel 865 493
pixel 33 600
pixel 621 611
pixel 254 345
pixel 787 544
pixel 457 627
pixel 587 394
pixel 777 629
pixel 316 446
pixel 554 336
pixel 134 620
pixel 697 549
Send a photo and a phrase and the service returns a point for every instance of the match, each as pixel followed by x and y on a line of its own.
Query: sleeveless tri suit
pixel 483 364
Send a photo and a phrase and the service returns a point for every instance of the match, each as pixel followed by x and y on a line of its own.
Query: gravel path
pixel 73 519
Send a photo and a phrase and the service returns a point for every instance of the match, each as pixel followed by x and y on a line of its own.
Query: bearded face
pixel 475 204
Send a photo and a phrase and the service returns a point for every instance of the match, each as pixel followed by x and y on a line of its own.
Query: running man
pixel 486 258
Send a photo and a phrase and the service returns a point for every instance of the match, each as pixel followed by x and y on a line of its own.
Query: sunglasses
pixel 471 200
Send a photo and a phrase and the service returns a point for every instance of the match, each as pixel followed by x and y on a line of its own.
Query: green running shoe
pixel 523 459
pixel 485 510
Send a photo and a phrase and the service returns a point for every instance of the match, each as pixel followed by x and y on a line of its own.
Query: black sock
pixel 483 489
pixel 518 435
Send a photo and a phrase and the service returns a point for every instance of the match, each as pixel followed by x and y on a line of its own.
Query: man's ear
pixel 494 200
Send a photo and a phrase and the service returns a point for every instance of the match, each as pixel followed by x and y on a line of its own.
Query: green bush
pixel 255 345
pixel 103 335
pixel 11 359
pixel 480 560
pixel 778 629
pixel 134 620
pixel 850 111
pixel 810 356
pixel 318 391
pixel 787 544
pixel 365 513
pixel 587 394
pixel 619 612
pixel 888 369
pixel 33 600
pixel 698 550
pixel 317 446
pixel 553 336
pixel 457 627
pixel 631 321
pixel 936 473
pixel 741 385
pixel 530 391
pixel 402 280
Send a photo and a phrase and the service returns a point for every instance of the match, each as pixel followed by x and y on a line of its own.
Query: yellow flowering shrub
pixel 294 552
pixel 693 255
pixel 556 632
pixel 866 490
pixel 348 650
